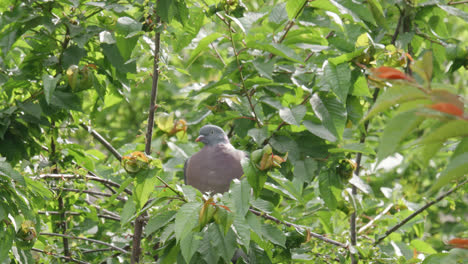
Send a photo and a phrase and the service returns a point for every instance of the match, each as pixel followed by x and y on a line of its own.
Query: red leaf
pixel 390 73
pixel 447 108
pixel 459 243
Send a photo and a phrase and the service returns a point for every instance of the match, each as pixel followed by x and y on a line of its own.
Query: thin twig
pixel 103 141
pixel 77 213
pixel 110 215
pixel 87 177
pixel 217 53
pixel 59 256
pixel 86 239
pixel 139 221
pixel 352 220
pixel 458 3
pixel 244 87
pixel 96 250
pixel 420 210
pixel 289 25
pixel 397 29
pixel 376 218
pixel 286 223
pixel 89 192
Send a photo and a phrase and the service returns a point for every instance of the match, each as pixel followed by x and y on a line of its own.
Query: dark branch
pixel 86 239
pixel 103 141
pixel 87 177
pixel 59 256
pixel 420 210
pixel 89 192
pixel 276 220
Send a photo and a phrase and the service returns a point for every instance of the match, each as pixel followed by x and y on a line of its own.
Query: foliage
pixel 307 87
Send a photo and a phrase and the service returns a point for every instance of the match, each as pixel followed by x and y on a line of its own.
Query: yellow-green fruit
pixel 26 235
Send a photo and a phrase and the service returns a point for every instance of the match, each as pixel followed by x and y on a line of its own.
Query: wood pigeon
pixel 213 167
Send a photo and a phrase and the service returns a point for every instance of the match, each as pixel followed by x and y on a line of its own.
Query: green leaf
pixel 454 128
pixel 293 116
pixel 393 96
pixel 273 235
pixel 330 191
pixel 264 68
pixel 422 246
pixel 305 170
pixel 144 186
pixel 278 14
pixel 331 112
pixel 242 230
pixel 435 259
pixel 457 168
pixel 354 148
pixel 202 47
pixel 462 147
pixel 8 171
pixel 189 245
pixel 128 212
pixel 127 26
pixel 255 177
pixel 186 219
pixel 377 13
pixel 275 48
pixel 241 197
pixel 166 10
pixel 454 11
pixel 50 83
pixel 346 57
pixel 158 221
pixel 112 53
pixel 72 56
pixel 360 87
pixel 337 79
pixel 319 130
pixel 224 245
pixel 395 131
pixel 258 134
pixel 293 7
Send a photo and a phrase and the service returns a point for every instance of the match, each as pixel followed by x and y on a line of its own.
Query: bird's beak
pixel 199 138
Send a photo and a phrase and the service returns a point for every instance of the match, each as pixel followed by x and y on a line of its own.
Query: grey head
pixel 211 135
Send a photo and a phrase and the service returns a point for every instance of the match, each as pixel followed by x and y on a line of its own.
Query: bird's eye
pixel 212 132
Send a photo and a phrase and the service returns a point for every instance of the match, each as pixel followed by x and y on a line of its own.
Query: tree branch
pixel 325 239
pixel 352 220
pixel 59 256
pixel 420 210
pixel 89 192
pixel 87 177
pixel 376 218
pixel 86 239
pixel 103 141
pixel 139 221
pixel 457 3
pixel 289 25
pixel 77 213
pixel 239 66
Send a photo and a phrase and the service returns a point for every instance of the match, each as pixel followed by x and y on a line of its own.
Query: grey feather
pixel 213 167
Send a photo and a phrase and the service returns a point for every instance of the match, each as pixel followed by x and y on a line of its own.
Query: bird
pixel 213 167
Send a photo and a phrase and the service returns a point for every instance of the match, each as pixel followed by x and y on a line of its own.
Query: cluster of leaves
pixel 305 86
